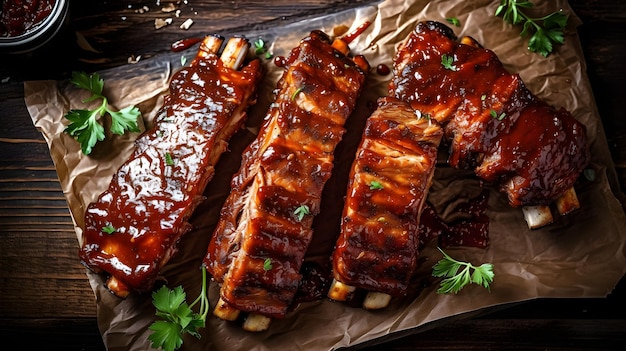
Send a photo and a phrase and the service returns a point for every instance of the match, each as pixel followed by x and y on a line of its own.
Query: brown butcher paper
pixel 580 255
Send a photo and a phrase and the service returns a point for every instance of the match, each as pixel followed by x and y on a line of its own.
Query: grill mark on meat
pixel 285 167
pixel 378 245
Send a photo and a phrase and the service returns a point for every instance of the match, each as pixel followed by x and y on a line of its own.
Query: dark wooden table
pixel 45 298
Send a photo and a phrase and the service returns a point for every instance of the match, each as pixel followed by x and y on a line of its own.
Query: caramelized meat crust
pixel 378 246
pixel 258 246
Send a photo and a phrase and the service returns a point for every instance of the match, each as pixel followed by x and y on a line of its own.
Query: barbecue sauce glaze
pixel 493 123
pixel 152 195
pixel 260 241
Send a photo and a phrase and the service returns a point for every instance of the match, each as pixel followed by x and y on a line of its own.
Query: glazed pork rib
pixel 131 231
pixel 493 123
pixel 264 230
pixel 377 248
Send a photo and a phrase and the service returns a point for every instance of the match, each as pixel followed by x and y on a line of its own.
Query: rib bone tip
pixel 339 291
pixel 256 323
pixel 117 288
pixel 376 300
pixel 235 52
pixel 224 311
pixel 537 216
pixel 567 202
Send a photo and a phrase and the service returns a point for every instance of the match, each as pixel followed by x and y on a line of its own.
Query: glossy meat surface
pixel 492 122
pixel 378 246
pixel 153 194
pixel 258 247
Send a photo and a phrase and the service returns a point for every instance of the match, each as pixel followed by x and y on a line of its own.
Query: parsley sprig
pixel 544 31
pixel 458 274
pixel 178 316
pixel 86 125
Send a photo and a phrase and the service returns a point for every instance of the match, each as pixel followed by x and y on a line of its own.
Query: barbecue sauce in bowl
pixel 28 25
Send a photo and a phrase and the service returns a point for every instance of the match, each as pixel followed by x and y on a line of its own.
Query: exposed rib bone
pixel 224 311
pixel 256 323
pixel 568 202
pixel 537 216
pixel 376 300
pixel 340 292
pixel 210 45
pixel 119 289
pixel 235 52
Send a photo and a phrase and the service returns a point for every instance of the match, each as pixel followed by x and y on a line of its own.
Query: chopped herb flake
pixel 454 21
pixel 168 159
pixel 447 62
pixel 109 229
pixel 495 115
pixel 376 185
pixel 301 211
pixel 267 264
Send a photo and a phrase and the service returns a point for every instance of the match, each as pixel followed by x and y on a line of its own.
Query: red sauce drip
pixel 19 16
pixel 383 69
pixel 184 44
pixel 280 61
pixel 470 231
pixel 348 38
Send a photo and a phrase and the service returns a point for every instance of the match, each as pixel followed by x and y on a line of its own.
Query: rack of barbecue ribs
pixel 132 229
pixel 377 249
pixel 265 225
pixel 493 124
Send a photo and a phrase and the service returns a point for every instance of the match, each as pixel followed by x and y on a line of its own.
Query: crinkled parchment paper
pixel 581 255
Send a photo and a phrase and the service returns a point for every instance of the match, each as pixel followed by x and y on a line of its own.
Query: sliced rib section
pixel 494 125
pixel 377 249
pixel 258 246
pixel 151 197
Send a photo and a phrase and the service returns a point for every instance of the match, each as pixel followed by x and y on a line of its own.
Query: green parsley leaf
pixel 177 316
pixel 544 31
pixel 267 264
pixel 454 21
pixel 447 62
pixel 109 229
pixel 301 211
pixel 85 125
pixel 458 274
pixel 376 185
pixel 85 128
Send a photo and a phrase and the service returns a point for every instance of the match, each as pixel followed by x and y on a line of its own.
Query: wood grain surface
pixel 45 297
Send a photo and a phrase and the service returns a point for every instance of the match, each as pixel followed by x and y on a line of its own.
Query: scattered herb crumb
pixel 447 62
pixel 376 185
pixel 267 264
pixel 301 211
pixel 454 21
pixel 495 115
